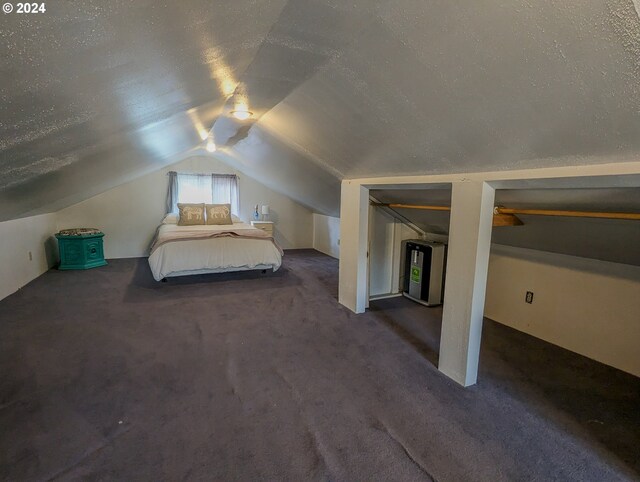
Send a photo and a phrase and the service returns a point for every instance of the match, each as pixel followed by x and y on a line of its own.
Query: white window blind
pixel 209 189
pixel 224 189
pixel 194 188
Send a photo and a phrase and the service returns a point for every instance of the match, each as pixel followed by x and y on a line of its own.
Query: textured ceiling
pixel 95 93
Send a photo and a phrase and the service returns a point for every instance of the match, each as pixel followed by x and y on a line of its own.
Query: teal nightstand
pixel 80 248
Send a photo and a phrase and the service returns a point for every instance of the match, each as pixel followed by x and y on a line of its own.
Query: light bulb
pixel 211 146
pixel 241 114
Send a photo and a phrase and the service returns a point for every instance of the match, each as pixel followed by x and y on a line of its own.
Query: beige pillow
pixel 219 214
pixel 190 214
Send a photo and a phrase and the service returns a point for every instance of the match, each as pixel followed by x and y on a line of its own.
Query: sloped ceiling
pixel 95 93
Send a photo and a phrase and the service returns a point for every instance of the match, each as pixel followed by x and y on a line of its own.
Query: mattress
pixel 184 250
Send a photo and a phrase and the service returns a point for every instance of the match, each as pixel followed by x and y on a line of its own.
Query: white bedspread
pixel 211 255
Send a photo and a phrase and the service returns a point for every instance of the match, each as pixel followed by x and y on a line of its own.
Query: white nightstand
pixel 264 225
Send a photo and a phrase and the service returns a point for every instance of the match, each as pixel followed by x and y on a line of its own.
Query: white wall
pixel 385 252
pixel 18 238
pixel 381 252
pixel 129 214
pixel 587 306
pixel 326 234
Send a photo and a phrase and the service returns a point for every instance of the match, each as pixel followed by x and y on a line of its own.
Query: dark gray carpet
pixel 107 375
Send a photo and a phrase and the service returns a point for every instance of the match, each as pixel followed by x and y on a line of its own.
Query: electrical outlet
pixel 529 297
pixel 30 256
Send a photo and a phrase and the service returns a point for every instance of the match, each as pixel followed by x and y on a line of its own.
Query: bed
pixel 186 250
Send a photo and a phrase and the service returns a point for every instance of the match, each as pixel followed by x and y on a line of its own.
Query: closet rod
pixel 572 214
pixel 538 212
pixel 414 206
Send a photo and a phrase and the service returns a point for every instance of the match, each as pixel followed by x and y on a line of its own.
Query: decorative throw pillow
pixel 190 214
pixel 219 214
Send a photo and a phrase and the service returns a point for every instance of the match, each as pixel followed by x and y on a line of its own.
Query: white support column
pixel 354 239
pixel 467 264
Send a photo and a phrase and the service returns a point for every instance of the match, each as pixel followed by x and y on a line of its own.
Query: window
pixel 195 188
pixel 203 188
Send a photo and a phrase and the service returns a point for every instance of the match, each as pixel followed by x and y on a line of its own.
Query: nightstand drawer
pixel 264 225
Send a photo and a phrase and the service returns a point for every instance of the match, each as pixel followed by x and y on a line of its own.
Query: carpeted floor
pixel 108 375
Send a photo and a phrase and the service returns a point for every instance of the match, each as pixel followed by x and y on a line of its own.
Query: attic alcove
pixel 565 260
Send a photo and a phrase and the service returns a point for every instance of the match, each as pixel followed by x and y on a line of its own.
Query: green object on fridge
pixel 80 248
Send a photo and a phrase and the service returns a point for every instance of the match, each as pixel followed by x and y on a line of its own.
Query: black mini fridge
pixel 423 271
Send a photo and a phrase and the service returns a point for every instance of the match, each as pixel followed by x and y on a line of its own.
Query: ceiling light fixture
pixel 211 146
pixel 241 114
